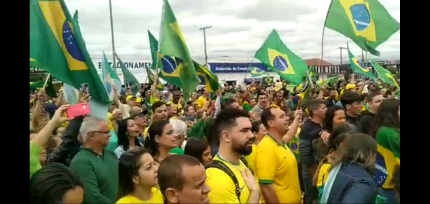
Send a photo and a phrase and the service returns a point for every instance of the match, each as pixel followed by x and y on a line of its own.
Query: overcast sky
pixel 239 27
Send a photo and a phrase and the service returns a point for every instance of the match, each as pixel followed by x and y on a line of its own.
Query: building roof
pixel 317 62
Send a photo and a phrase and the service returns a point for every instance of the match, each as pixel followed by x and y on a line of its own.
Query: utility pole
pixel 204 41
pixel 340 53
pixel 112 36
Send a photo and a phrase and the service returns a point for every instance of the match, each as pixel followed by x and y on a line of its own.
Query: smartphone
pixel 80 109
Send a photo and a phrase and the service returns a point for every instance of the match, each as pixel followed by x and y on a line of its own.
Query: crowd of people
pixel 241 144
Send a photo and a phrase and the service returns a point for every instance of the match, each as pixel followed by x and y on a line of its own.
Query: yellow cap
pixel 129 97
pixel 350 86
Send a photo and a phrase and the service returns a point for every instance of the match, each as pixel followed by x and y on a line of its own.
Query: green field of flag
pixel 174 52
pixel 384 74
pixel 358 68
pixel 57 45
pixel 281 60
pixel 257 72
pixel 129 78
pixel 366 22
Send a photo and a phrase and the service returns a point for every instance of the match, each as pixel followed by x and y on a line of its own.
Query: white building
pixel 226 71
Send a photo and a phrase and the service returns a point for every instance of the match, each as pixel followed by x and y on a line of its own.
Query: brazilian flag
pixel 267 81
pixel 57 46
pixel 293 144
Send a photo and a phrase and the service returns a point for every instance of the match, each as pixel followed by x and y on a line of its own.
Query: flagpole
pixel 249 66
pixel 310 79
pixel 46 80
pixel 159 38
pixel 323 31
pixel 112 36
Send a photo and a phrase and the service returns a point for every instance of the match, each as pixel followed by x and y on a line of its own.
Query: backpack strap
pixel 221 166
pixel 242 158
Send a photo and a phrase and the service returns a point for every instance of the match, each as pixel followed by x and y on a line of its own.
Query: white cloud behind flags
pixel 238 27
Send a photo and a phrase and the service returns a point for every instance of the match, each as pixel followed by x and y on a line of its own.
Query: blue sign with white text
pixel 235 67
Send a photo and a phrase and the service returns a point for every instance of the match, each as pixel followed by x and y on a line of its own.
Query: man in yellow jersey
pixel 176 97
pixel 275 164
pixel 232 181
pixel 201 101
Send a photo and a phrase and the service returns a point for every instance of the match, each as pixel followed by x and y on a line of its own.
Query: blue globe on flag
pixel 70 42
pixel 259 70
pixel 381 172
pixel 280 63
pixel 169 64
pixel 361 16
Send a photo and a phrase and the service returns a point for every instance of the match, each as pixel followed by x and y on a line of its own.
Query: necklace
pixel 225 160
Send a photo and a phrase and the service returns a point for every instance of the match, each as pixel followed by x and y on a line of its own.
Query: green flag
pixel 384 74
pixel 207 78
pixel 366 22
pixel 151 79
pixel 153 45
pixel 313 74
pixel 267 81
pixel 331 80
pixel 49 88
pixel 56 44
pixel 275 54
pixel 357 68
pixel 257 72
pixel 178 67
pixel 129 78
pixel 397 93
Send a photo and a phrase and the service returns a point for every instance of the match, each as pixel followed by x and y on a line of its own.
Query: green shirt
pixel 99 174
pixel 177 151
pixel 246 107
pixel 35 151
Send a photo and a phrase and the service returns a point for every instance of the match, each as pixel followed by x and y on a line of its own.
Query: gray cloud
pixel 238 27
pixel 274 10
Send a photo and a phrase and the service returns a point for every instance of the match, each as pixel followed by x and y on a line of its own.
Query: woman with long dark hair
pixel 350 177
pixel 336 138
pixel 161 139
pixel 128 134
pixel 199 149
pixel 55 183
pixel 138 178
pixel 386 132
pixel 334 117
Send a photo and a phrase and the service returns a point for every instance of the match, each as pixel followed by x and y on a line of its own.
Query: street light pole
pixel 341 53
pixel 204 41
pixel 112 36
